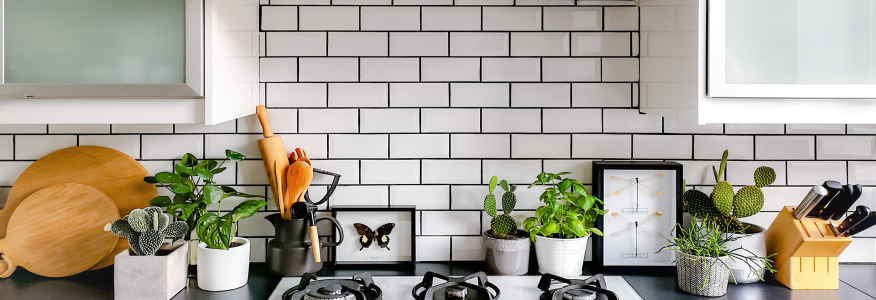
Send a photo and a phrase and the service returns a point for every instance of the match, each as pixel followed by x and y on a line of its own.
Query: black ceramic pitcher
pixel 290 252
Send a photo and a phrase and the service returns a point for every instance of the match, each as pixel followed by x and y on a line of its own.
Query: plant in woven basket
pixel 568 211
pixel 725 207
pixel 502 226
pixel 706 241
pixel 146 229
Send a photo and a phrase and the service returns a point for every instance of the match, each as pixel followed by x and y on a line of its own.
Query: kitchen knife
pixel 868 222
pixel 815 194
pixel 836 203
pixel 856 217
pixel 841 208
pixel 833 188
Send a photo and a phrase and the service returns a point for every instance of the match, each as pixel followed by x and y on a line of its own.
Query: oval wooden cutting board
pixel 114 173
pixel 58 231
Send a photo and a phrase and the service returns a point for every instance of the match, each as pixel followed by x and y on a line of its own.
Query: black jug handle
pixel 340 231
pixel 331 189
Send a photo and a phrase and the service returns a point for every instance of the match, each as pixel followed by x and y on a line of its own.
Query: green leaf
pixel 160 201
pixel 549 229
pixel 189 160
pixel 247 209
pixel 587 202
pixel 167 177
pixel 183 170
pixel 493 181
pixel 181 198
pixel 213 194
pixel 234 156
pixel 597 231
pixel 490 205
pixel 565 185
pixel 563 173
pixel 203 172
pixel 150 179
pixel 208 164
pixel 179 188
pixel 505 186
pixel 228 189
pixel 218 170
pixel 529 223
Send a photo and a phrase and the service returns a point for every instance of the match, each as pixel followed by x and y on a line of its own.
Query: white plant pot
pixel 157 277
pixel 222 270
pixel 563 257
pixel 756 243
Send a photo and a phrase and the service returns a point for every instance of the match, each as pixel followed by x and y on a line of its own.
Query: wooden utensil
pixel 272 150
pixel 58 231
pixel 114 173
pixel 281 189
pixel 298 176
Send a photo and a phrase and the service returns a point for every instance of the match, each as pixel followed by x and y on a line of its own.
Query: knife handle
pixel 837 203
pixel 860 213
pixel 812 198
pixel 833 188
pixel 868 222
pixel 843 207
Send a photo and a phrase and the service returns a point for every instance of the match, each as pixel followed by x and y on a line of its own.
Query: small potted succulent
pixel 148 270
pixel 703 257
pixel 507 247
pixel 724 208
pixel 561 227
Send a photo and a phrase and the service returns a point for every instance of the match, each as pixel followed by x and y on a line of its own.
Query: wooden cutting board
pixel 58 231
pixel 114 173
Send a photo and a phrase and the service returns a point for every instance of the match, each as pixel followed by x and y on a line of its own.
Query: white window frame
pixel 719 88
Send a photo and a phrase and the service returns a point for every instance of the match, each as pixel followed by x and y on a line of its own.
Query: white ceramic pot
pixel 157 277
pixel 222 270
pixel 754 242
pixel 563 257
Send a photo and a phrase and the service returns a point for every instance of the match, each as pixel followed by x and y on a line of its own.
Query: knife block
pixel 806 251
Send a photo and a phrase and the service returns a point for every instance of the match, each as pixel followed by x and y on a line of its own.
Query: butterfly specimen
pixel 368 235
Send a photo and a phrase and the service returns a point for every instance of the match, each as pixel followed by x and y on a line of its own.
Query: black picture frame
pixel 599 168
pixel 353 236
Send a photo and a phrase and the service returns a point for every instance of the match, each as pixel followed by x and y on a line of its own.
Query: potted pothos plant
pixel 194 190
pixel 507 247
pixel 562 226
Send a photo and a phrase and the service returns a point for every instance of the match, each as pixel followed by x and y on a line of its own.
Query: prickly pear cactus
pixel 722 198
pixel 764 176
pixel 146 229
pixel 502 225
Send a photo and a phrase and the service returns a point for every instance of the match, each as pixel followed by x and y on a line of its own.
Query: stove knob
pixel 456 292
pixel 332 289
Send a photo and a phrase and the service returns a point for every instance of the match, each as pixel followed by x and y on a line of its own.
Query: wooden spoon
pixel 299 175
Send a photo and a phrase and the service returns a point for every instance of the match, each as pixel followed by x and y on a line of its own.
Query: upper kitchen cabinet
pixel 128 61
pixel 750 61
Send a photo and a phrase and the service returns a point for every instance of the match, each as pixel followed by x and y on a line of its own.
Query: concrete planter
pixel 158 277
pixel 507 256
pixel 222 270
pixel 754 242
pixel 563 257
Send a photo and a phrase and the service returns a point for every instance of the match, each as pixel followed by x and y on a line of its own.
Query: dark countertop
pixel 856 283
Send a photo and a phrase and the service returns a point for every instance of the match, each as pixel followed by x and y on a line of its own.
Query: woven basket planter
pixel 692 270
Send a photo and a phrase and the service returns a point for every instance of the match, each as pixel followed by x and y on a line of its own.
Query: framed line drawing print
pixel 378 235
pixel 643 200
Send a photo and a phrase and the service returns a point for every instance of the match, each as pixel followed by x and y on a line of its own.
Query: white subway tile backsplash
pixel 358 44
pixel 296 43
pixel 389 120
pixel 328 18
pixel 79 128
pixel 127 144
pixel 699 172
pixel 845 147
pixel 860 250
pixel 815 128
pixel 511 69
pixel 467 248
pixel 855 128
pixel 419 94
pixel 450 120
pixel 9 171
pixel 246 144
pixel 390 172
pixel 572 18
pixel 511 120
pixel 297 94
pixel 226 127
pixel 256 225
pixel 358 94
pixel 662 147
pixel 541 94
pixel 784 147
pixel 572 69
pixel 467 197
pixel 279 18
pixel 480 94
pixel 512 18
pixel 690 126
pixel 431 197
pixel 484 2
pixel 395 18
pixel 328 120
pixel 251 172
pixel 581 170
pixel 361 195
pixel 419 146
pixel 452 18
pixel 328 69
pixel 742 172
pixel 713 146
pixel 7 147
pixel 571 120
pixel 451 223
pixel 450 69
pixel 514 171
pixel 316 145
pixel 754 128
pixel 602 146
pixel 480 146
pixel 620 69
pixel 540 44
pixel 777 197
pixel 816 172
pixel 541 146
pixel 349 170
pixel 622 18
pixel 455 171
pixel 358 146
pixel 630 120
pixel 389 69
pixel 418 44
pixel 433 248
pixel 862 172
pixel 6 128
pixel 278 69
pixel 170 146
pixel 601 44
pixel 480 44
pixel 602 95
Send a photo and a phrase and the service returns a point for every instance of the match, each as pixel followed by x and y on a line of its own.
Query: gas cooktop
pixel 401 287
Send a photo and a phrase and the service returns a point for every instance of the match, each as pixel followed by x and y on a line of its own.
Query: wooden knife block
pixel 806 251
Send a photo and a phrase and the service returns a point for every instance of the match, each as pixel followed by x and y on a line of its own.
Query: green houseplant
pixel 222 258
pixel 561 227
pixel 703 257
pixel 507 248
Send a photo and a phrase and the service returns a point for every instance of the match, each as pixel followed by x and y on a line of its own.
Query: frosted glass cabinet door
pixel 792 48
pixel 94 41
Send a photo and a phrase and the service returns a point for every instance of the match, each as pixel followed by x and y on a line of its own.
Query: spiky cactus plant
pixel 503 226
pixel 723 206
pixel 146 229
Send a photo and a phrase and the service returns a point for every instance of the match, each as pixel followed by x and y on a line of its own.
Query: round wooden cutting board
pixel 58 231
pixel 114 173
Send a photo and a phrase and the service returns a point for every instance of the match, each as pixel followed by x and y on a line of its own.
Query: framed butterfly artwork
pixel 376 234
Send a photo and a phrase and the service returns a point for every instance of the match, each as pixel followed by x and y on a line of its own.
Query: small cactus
pixel 503 225
pixel 146 229
pixel 724 206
